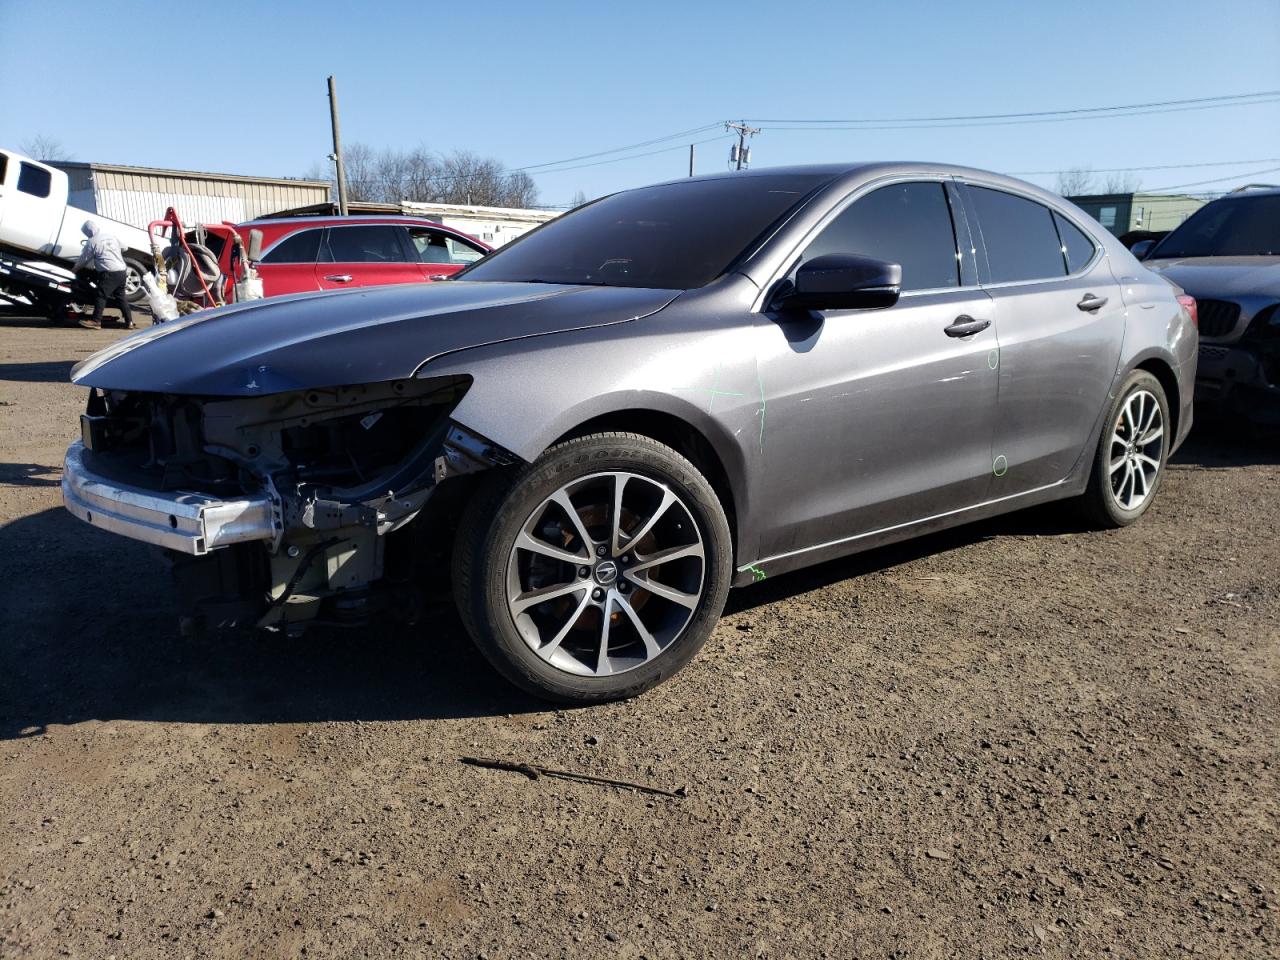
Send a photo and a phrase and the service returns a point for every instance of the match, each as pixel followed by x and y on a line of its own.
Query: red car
pixel 304 254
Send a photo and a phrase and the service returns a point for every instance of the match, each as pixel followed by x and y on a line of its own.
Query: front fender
pixel 525 396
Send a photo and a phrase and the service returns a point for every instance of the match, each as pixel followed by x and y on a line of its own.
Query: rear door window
pixel 1077 248
pixel 905 223
pixel 300 247
pixel 1021 240
pixel 371 243
pixel 34 180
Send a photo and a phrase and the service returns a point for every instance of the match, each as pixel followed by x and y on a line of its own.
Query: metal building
pixel 138 195
pixel 1124 212
pixel 494 225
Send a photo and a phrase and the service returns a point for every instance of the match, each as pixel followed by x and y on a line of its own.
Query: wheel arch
pixel 678 434
pixel 1162 370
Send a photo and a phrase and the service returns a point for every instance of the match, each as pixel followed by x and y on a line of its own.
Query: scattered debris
pixel 533 772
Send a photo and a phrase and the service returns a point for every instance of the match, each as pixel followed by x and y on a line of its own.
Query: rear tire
pixel 1131 456
pixel 603 604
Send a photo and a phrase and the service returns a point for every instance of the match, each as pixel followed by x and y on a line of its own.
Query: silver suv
pixel 1227 256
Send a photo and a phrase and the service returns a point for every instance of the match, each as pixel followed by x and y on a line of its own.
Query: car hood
pixel 364 335
pixel 1221 276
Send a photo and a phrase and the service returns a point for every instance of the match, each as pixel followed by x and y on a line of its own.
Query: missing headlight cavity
pixel 349 451
pixel 334 438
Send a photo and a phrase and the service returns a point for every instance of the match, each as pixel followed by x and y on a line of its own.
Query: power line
pixel 1199 183
pixel 634 156
pixel 1014 123
pixel 452 178
pixel 1166 166
pixel 633 146
pixel 1222 99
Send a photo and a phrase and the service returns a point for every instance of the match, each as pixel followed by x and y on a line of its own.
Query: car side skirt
pixel 754 572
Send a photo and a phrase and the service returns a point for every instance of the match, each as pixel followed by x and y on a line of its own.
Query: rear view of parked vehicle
pixel 598 429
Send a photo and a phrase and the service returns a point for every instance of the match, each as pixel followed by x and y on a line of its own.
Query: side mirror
pixel 840 281
pixel 255 245
pixel 1142 248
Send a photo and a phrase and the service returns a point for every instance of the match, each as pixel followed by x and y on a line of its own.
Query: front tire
pixel 1132 453
pixel 596 572
pixel 134 291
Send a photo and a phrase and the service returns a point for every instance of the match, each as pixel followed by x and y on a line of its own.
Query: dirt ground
pixel 1017 738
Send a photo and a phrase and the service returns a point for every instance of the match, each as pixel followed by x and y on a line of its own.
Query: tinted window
pixel 34 180
pixel 4 167
pixel 300 247
pixel 1076 245
pixel 432 246
pixel 1234 227
pixel 908 224
pixel 1021 241
pixel 674 236
pixel 364 244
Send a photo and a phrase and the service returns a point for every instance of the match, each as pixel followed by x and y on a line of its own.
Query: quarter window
pixel 1021 241
pixel 300 247
pixel 374 243
pixel 1077 248
pixel 906 223
pixel 34 180
pixel 432 246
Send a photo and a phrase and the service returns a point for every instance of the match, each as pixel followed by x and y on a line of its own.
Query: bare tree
pixel 46 149
pixel 390 176
pixel 579 198
pixel 1075 182
pixel 1121 183
pixel 360 165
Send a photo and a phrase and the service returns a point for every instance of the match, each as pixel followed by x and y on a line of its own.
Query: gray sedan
pixel 595 431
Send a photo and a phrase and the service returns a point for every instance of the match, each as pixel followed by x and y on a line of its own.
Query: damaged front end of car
pixel 313 506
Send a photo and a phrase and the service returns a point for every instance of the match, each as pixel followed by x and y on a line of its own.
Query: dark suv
pixel 1227 256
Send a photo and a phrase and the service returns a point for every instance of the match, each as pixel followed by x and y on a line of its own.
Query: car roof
pixel 852 171
pixel 331 221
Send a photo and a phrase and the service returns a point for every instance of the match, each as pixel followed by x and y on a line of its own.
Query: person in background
pixel 102 255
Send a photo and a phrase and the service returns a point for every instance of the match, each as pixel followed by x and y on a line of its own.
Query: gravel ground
pixel 1015 738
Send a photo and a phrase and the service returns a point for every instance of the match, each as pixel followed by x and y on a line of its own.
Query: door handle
pixel 964 325
pixel 1091 303
pixel 339 277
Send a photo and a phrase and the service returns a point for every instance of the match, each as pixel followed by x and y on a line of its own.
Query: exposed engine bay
pixel 345 470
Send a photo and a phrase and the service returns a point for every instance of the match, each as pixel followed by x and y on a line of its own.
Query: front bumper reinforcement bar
pixel 191 523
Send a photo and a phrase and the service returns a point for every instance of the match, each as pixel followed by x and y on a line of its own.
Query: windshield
pixel 674 236
pixel 1231 227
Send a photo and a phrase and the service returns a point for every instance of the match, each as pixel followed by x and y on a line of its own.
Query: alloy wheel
pixel 132 281
pixel 606 573
pixel 1136 450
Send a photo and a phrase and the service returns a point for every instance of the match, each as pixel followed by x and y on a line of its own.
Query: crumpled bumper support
pixel 191 523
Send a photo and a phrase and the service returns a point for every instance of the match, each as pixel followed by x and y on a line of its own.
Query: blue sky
pixel 532 82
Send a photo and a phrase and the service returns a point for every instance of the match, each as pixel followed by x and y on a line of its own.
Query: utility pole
pixel 743 152
pixel 691 146
pixel 337 149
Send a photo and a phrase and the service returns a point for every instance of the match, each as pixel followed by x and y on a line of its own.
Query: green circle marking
pixel 993 359
pixel 1000 466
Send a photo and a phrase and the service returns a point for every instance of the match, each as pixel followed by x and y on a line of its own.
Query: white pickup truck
pixel 37 224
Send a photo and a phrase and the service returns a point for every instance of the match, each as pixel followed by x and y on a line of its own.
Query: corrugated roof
pixel 191 174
